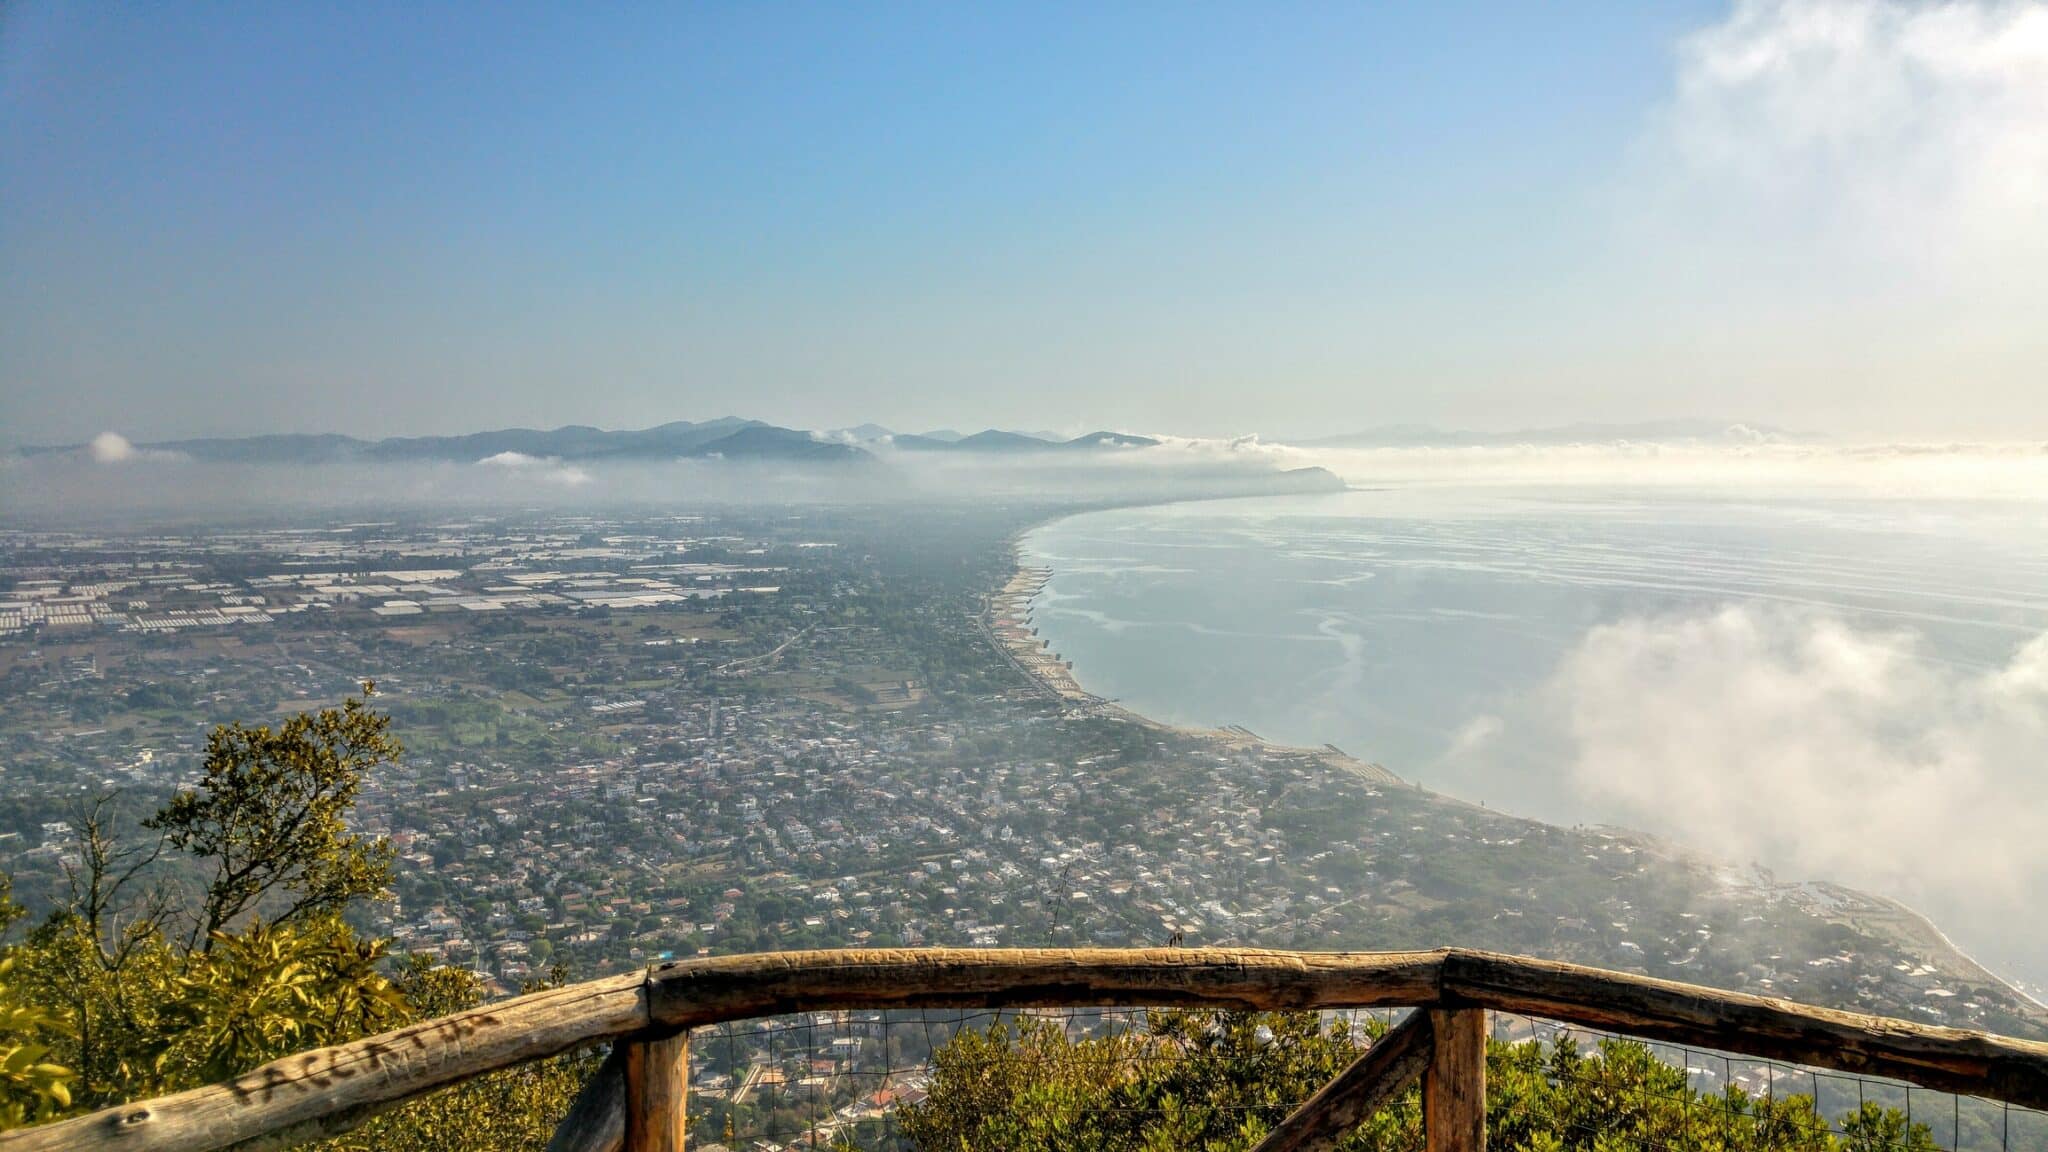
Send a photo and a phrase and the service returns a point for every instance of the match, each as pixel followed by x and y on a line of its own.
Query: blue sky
pixel 1198 219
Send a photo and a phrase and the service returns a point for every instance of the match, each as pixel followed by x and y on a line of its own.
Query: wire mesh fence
pixel 844 1079
pixel 868 1080
pixel 1714 1100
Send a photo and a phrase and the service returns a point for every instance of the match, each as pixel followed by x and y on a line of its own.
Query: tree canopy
pixel 225 942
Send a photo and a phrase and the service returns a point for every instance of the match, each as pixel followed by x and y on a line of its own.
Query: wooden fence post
pixel 1454 1084
pixel 657 1091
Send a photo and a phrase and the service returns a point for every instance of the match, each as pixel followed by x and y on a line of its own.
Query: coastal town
pixel 637 739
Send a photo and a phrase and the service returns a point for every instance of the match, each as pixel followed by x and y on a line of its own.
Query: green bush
pixel 1219 1081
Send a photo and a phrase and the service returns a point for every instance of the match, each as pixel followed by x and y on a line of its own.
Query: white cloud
pixel 548 468
pixel 111 448
pixel 511 460
pixel 1246 447
pixel 1888 141
pixel 114 448
pixel 1820 749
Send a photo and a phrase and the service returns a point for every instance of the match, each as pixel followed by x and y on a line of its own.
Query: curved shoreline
pixel 1006 621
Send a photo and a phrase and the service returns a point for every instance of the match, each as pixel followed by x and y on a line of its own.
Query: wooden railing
pixel 636 1100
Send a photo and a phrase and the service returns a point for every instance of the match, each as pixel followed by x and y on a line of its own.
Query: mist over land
pixel 1836 734
pixel 739 460
pixel 1565 480
pixel 723 461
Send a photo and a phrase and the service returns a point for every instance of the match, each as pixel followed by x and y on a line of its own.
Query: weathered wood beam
pixel 1945 1059
pixel 1454 1084
pixel 1382 1073
pixel 597 1117
pixel 698 992
pixel 657 1093
pixel 330 1090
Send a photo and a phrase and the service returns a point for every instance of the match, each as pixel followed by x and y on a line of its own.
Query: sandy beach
pixel 1007 619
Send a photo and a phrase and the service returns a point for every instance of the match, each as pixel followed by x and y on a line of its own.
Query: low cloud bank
pixel 1819 749
pixel 1175 468
pixel 113 475
pixel 1911 470
pixel 68 490
pixel 113 481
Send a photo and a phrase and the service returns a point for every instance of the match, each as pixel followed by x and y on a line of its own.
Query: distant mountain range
pixel 732 438
pixel 1654 431
pixel 729 438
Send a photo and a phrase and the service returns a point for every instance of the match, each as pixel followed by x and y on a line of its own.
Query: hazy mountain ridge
pixel 730 437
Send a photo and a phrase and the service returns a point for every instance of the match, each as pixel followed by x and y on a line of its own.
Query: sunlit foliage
pixel 138 985
pixel 1219 1081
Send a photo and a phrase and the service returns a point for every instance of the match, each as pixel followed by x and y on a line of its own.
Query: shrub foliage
pixel 1219 1081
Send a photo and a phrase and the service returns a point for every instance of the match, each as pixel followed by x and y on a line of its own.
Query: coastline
pixel 1006 619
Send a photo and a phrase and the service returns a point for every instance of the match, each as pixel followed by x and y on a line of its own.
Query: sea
pixel 1830 687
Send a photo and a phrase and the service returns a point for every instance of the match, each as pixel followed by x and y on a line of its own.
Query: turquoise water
pixel 1396 623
